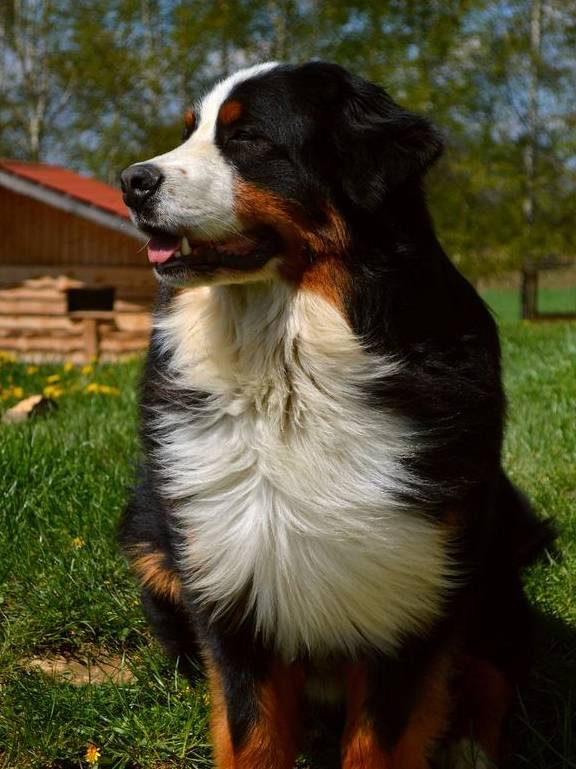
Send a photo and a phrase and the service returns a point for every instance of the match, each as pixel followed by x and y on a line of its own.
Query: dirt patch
pixel 113 669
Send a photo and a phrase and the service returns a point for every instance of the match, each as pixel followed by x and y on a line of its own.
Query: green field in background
pixel 505 302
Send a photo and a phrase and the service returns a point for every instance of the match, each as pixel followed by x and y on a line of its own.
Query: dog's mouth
pixel 181 257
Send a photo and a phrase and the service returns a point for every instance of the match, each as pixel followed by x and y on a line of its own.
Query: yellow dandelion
pixel 94 388
pixel 31 369
pixel 78 542
pixel 87 369
pixel 13 391
pixel 67 367
pixel 7 357
pixel 92 754
pixel 107 390
pixel 53 378
pixel 53 391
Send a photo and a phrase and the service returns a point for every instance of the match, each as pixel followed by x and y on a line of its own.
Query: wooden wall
pixel 36 326
pixel 36 233
pixel 45 251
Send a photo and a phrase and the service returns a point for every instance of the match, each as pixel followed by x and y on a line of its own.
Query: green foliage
pixel 118 75
pixel 33 95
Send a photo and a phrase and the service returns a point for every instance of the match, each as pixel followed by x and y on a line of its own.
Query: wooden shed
pixel 74 278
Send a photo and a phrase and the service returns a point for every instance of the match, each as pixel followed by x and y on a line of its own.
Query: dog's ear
pixel 378 145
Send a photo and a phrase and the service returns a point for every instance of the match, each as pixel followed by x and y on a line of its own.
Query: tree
pixel 33 96
pixel 511 180
pixel 100 83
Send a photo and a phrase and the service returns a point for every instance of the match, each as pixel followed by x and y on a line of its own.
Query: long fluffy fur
pixel 287 486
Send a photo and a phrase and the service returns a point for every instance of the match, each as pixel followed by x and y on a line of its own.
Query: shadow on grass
pixel 543 727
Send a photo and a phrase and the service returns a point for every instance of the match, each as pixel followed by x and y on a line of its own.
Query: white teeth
pixel 185 247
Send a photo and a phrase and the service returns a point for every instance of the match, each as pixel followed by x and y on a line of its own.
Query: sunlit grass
pixel 65 589
pixel 19 381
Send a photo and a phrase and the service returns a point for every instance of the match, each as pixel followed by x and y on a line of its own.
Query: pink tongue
pixel 161 247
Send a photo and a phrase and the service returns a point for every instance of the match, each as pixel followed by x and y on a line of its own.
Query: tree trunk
pixel 533 117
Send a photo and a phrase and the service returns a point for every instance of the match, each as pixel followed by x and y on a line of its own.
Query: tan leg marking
pixel 360 747
pixel 272 741
pixel 429 721
pixel 153 573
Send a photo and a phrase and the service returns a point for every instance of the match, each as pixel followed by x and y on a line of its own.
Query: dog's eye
pixel 241 135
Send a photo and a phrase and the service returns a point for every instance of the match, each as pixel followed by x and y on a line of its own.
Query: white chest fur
pixel 285 482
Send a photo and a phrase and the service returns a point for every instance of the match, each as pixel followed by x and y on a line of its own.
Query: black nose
pixel 138 182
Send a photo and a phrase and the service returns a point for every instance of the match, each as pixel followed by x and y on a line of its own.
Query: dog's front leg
pixel 398 710
pixel 361 746
pixel 255 713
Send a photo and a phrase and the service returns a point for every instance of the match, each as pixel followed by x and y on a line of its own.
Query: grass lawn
pixel 65 592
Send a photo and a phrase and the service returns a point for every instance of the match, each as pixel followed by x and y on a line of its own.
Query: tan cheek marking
pixel 328 278
pixel 313 255
pixel 153 573
pixel 229 112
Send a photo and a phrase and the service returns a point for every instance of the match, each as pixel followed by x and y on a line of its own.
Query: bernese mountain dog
pixel 321 513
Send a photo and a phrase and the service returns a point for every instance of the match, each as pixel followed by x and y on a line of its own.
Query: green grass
pixel 65 589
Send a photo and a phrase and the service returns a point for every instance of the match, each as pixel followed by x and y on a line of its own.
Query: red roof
pixel 69 183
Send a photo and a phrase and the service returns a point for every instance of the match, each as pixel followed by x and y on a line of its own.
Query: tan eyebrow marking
pixel 190 119
pixel 229 112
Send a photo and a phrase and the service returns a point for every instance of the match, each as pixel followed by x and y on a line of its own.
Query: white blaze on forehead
pixel 196 196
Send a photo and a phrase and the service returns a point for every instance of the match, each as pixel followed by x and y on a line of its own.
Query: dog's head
pixel 276 160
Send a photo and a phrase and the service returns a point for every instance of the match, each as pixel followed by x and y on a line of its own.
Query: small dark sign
pixel 90 299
